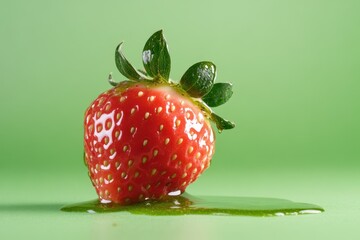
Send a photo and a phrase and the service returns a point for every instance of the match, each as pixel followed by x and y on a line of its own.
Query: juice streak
pixel 187 204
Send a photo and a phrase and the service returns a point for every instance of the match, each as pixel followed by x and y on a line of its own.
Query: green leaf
pixel 198 80
pixel 222 124
pixel 156 57
pixel 125 67
pixel 219 94
pixel 143 72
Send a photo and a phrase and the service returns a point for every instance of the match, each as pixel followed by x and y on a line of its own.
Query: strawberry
pixel 149 137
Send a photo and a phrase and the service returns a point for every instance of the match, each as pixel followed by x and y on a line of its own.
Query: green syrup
pixel 187 204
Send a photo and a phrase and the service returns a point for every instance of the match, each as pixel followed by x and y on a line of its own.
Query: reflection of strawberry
pixel 149 137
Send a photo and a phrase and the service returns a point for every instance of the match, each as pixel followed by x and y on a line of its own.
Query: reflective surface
pixel 30 208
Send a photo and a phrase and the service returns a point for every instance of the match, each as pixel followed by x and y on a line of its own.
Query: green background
pixel 295 70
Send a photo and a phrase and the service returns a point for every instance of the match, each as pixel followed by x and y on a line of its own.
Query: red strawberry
pixel 148 137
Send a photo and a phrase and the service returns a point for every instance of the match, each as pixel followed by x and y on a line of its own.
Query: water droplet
pixel 174 193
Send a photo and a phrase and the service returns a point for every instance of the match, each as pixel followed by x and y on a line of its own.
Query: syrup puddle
pixel 187 204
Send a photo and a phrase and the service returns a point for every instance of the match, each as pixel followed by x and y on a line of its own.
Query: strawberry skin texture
pixel 144 141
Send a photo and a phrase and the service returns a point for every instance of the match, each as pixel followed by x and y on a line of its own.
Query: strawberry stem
pixel 197 82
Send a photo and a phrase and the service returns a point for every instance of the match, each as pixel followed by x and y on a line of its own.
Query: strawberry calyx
pixel 197 83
